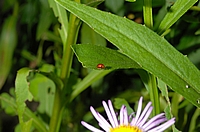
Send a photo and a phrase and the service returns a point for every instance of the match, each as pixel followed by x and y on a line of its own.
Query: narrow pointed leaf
pixel 94 3
pixel 87 81
pixel 8 42
pixel 175 12
pixel 62 18
pixel 145 47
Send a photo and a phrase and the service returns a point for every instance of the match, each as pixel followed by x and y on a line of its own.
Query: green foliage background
pixel 49 56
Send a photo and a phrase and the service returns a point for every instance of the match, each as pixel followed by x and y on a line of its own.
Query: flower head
pixel 129 123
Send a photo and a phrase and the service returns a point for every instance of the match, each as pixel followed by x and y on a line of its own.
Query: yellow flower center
pixel 124 128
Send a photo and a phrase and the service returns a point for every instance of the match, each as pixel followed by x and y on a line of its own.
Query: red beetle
pixel 101 66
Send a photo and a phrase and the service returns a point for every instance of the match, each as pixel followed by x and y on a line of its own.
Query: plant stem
pixel 195 8
pixel 74 25
pixel 153 90
pixel 147 13
pixel 56 114
pixel 73 28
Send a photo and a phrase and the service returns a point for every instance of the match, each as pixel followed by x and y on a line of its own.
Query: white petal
pixel 133 122
pixel 125 116
pixel 90 127
pixel 104 124
pixel 145 117
pixel 113 113
pixel 109 114
pixel 100 119
pixel 156 120
pixel 146 109
pixel 164 126
pixel 121 115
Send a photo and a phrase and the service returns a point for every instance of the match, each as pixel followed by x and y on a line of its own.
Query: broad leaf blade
pixel 145 47
pixel 92 55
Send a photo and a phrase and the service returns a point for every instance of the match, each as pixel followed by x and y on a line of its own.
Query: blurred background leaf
pixel 8 42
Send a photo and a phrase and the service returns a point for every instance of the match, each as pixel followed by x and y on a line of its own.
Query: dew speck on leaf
pixel 198 100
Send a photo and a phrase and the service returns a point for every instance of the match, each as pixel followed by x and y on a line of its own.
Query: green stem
pixel 147 13
pixel 74 25
pixel 56 114
pixel 73 28
pixel 153 90
pixel 38 123
pixel 195 8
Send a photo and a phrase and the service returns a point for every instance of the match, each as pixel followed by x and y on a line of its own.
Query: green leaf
pixel 22 94
pixel 43 86
pixel 45 21
pixel 163 88
pixel 89 36
pixel 62 17
pixel 8 103
pixel 150 84
pixel 145 47
pixel 175 12
pixel 27 126
pixel 115 6
pixel 43 90
pixel 118 102
pixel 168 115
pixel 8 42
pixel 87 81
pixel 131 0
pixel 93 3
pixel 170 107
pixel 194 121
pixel 188 41
pixel 92 55
pixel 22 89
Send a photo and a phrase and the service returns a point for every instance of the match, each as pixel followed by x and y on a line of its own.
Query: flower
pixel 129 123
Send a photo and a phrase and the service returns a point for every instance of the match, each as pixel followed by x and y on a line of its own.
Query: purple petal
pixel 145 117
pixel 164 126
pixel 153 119
pixel 155 123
